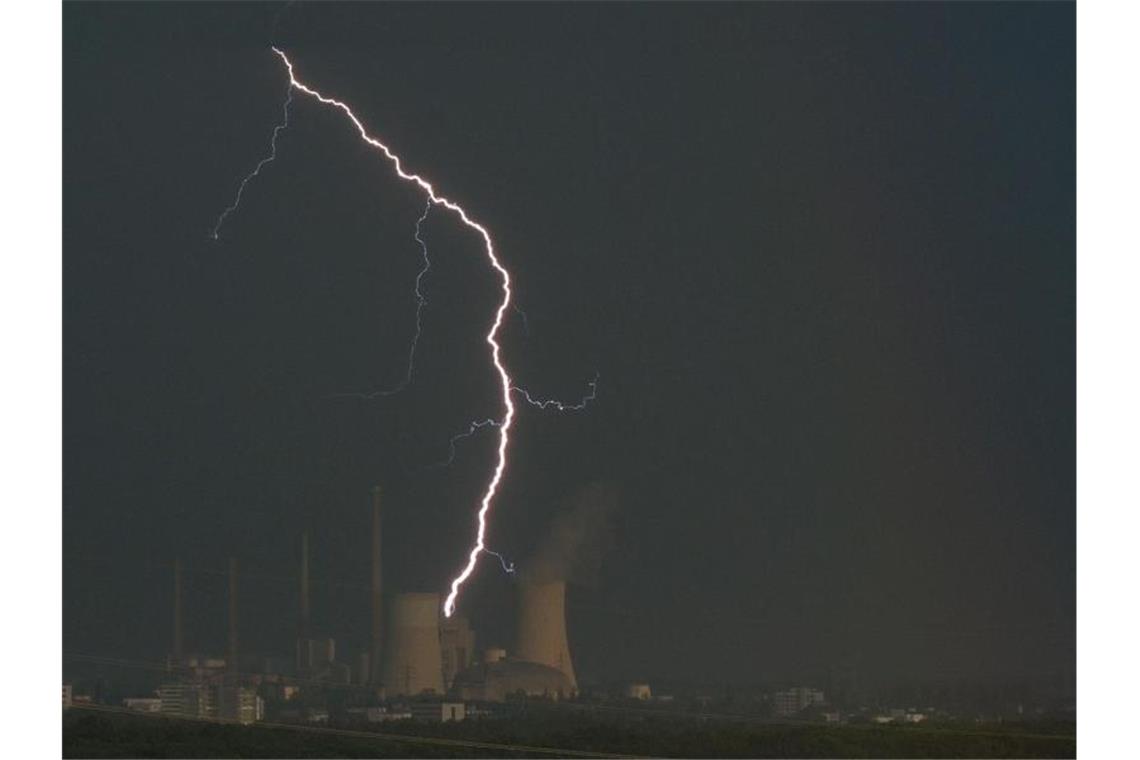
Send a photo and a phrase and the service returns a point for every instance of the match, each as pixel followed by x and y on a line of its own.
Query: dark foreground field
pixel 88 733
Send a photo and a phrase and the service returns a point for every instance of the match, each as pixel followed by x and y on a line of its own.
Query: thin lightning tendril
pixel 421 302
pixel 522 316
pixel 505 379
pixel 474 428
pixel 562 406
pixel 257 169
pixel 508 567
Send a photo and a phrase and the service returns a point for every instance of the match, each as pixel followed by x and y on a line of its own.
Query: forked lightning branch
pixel 507 386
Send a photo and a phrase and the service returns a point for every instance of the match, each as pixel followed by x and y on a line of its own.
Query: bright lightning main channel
pixel 503 425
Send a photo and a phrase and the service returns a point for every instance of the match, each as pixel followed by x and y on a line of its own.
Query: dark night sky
pixel 822 257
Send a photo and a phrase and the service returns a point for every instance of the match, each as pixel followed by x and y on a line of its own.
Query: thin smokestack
pixel 232 648
pixel 304 631
pixel 177 608
pixel 377 602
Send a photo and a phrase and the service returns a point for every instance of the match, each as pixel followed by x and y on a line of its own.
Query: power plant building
pixel 457 647
pixel 541 667
pixel 495 681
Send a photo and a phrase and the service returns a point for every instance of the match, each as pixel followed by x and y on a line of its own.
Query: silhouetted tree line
pixel 99 735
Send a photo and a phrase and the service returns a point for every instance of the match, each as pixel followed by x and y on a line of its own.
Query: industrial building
pixel 438 712
pixel 143 704
pixel 457 647
pixel 497 680
pixel 638 691
pixel 239 704
pixel 189 699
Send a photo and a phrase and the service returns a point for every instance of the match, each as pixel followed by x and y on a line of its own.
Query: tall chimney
pixel 542 626
pixel 231 649
pixel 177 609
pixel 303 625
pixel 377 601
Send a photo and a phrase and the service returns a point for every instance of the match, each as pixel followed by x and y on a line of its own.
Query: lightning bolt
pixel 504 425
pixel 562 406
pixel 257 169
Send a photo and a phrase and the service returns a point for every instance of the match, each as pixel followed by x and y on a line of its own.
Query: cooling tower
pixel 412 659
pixel 542 626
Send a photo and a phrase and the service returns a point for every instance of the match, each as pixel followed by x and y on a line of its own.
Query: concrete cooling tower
pixel 542 626
pixel 412 659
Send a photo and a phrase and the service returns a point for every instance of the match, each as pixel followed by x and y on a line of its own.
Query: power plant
pixel 413 650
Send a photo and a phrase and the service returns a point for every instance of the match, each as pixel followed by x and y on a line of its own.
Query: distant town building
pixel 66 696
pixel 239 704
pixel 438 712
pixel 638 691
pixel 143 704
pixel 899 715
pixel 379 714
pixel 186 699
pixel 196 699
pixel 793 701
